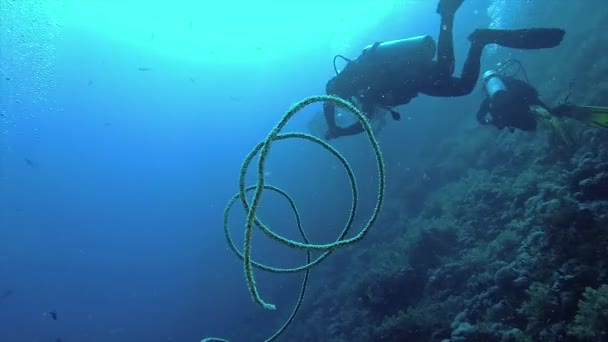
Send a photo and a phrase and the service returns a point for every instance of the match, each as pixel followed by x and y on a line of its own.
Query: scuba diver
pixel 390 74
pixel 511 101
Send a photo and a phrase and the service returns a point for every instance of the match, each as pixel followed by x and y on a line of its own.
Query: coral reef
pixel 513 250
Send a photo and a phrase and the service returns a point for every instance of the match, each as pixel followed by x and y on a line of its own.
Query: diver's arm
pixel 334 130
pixel 329 110
pixel 484 107
pixel 353 129
pixel 356 128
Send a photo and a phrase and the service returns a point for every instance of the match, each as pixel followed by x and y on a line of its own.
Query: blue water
pixel 114 180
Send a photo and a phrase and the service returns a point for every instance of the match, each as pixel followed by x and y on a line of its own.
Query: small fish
pixel 190 25
pixel 29 162
pixel 52 314
pixel 90 83
pixel 143 69
pixel 152 36
pixel 6 294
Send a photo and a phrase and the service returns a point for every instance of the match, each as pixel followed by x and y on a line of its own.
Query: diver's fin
pixel 598 116
pixel 534 38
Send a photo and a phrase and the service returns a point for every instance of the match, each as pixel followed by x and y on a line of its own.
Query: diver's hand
pixel 483 120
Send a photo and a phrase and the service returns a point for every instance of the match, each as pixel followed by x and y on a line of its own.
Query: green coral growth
pixel 591 321
pixel 537 307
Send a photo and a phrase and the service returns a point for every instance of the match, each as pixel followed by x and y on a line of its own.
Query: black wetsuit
pixel 376 89
pixel 514 111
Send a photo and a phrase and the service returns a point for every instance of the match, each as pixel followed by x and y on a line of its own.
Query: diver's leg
pixel 445 46
pixel 564 109
pixel 538 102
pixel 448 6
pixel 523 39
pixel 452 86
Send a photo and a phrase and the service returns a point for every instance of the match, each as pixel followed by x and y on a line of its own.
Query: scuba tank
pixel 403 55
pixel 408 50
pixel 492 81
pixel 494 86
